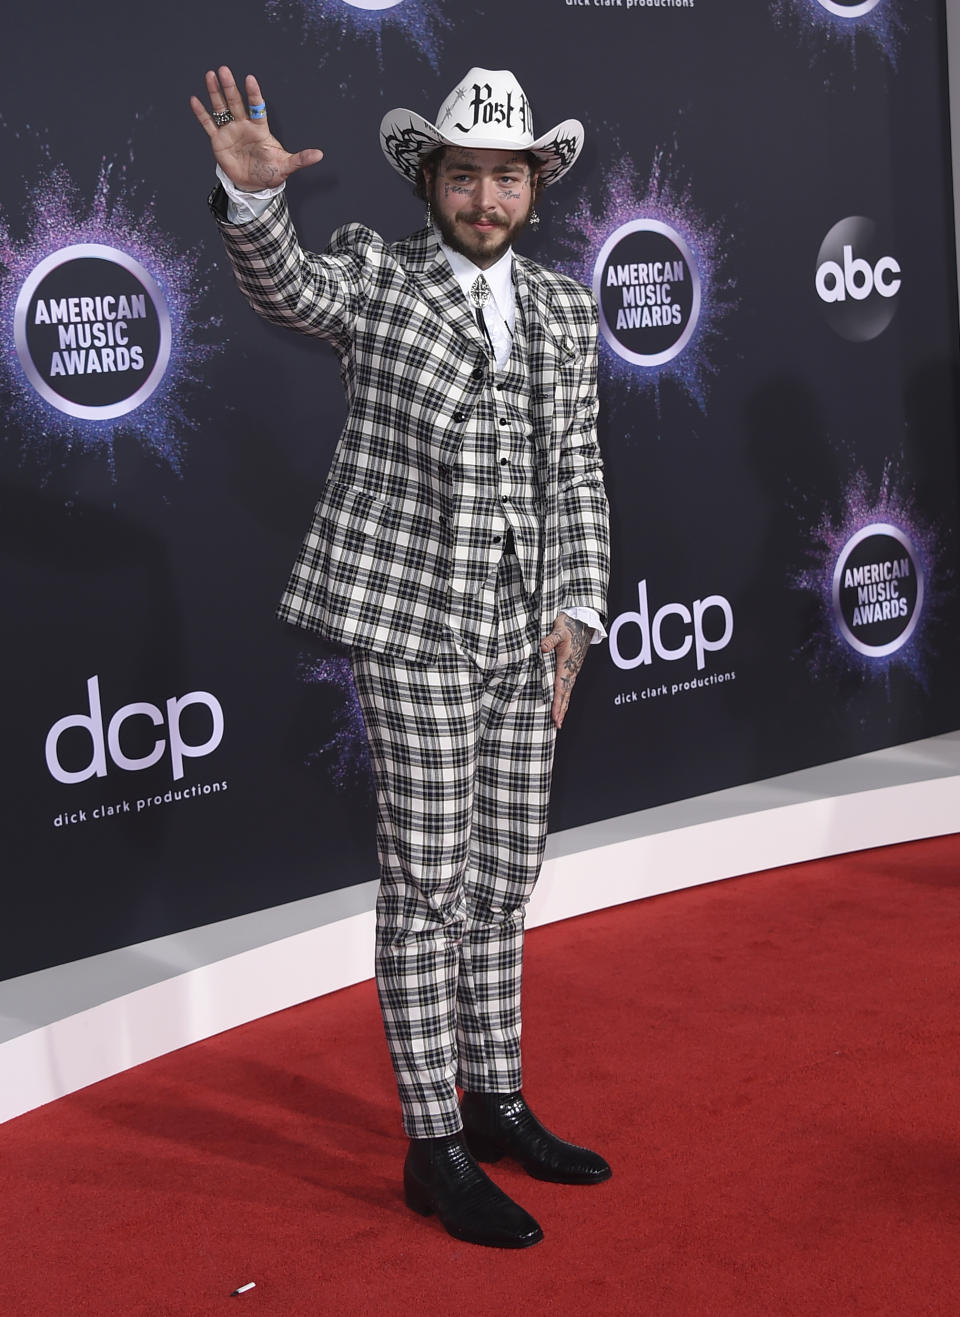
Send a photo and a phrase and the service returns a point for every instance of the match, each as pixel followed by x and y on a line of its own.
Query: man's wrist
pixel 242 207
pixel 591 618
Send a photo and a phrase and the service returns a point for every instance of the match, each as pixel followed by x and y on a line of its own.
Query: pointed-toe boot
pixel 441 1176
pixel 499 1125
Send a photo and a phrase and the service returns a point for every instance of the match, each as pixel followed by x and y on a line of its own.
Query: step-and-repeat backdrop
pixel 763 211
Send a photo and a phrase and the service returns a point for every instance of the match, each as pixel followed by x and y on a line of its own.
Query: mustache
pixel 475 216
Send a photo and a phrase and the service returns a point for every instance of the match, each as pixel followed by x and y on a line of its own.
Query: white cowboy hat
pixel 487 110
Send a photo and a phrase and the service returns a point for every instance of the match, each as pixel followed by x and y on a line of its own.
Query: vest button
pixel 459 416
pixel 503 420
pixel 477 373
pixel 497 539
pixel 504 461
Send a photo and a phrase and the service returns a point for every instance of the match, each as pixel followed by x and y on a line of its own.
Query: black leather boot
pixel 440 1176
pixel 502 1125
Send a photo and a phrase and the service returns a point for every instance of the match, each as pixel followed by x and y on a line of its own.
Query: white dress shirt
pixel 500 311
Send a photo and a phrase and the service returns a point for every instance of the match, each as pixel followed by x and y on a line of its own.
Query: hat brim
pixel 406 137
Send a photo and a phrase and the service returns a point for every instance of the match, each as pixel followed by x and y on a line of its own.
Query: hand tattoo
pixel 571 640
pixel 579 634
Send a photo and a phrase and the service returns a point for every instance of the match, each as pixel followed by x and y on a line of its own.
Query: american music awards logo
pixel 647 287
pixel 826 23
pixel 92 331
pixel 878 589
pixel 421 22
pixel 659 271
pixel 99 323
pixel 877 575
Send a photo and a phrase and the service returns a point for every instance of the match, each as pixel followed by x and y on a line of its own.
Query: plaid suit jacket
pixel 374 569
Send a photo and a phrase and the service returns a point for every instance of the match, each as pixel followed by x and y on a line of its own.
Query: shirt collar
pixel 499 277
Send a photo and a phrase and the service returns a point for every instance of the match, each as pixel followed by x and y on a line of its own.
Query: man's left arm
pixel 584 525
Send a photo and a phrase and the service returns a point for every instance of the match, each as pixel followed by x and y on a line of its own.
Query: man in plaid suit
pixel 460 548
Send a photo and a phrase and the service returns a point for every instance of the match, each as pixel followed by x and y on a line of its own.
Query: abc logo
pixel 857 283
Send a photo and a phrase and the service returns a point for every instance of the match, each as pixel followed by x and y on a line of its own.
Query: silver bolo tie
pixel 480 296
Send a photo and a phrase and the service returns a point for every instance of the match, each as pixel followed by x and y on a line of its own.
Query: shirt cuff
pixel 590 617
pixel 242 207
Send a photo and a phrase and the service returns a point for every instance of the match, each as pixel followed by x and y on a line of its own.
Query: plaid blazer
pixel 374 569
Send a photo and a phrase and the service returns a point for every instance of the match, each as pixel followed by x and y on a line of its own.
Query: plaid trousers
pixel 462 753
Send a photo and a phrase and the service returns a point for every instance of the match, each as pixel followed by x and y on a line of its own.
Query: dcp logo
pixel 92 331
pixel 857 283
pixel 93 745
pixel 849 8
pixel 878 590
pixel 647 286
pixel 672 631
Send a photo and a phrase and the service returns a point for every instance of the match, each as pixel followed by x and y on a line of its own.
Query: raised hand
pixel 245 149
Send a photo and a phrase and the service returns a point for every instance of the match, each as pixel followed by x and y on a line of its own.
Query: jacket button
pixel 442 520
pixel 497 539
pixel 477 373
pixel 459 416
pixel 504 421
pixel 444 470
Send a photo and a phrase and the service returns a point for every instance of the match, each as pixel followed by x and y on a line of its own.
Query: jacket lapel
pixel 430 270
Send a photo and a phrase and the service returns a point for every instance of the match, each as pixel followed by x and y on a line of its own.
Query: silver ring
pixel 221 117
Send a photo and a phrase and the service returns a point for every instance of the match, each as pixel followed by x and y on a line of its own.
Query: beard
pixel 484 249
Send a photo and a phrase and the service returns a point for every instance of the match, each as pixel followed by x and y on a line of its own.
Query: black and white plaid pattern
pixel 462 751
pixel 375 567
pixel 399 563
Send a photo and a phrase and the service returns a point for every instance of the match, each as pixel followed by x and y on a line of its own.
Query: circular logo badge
pixel 92 331
pixel 877 590
pixel 856 281
pixel 849 8
pixel 647 286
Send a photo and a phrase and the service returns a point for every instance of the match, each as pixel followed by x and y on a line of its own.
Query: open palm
pixel 245 149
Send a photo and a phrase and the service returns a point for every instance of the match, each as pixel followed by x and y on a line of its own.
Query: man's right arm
pixel 318 295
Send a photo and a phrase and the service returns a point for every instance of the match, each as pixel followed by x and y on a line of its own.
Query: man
pixel 460 548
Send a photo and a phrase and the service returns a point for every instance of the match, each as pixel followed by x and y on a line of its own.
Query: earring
pixel 429 216
pixel 534 220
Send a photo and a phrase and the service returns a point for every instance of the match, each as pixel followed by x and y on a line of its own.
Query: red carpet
pixel 771 1065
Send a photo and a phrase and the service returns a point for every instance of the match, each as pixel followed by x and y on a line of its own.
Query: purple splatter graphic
pixel 335 22
pixel 346 753
pixel 669 202
pixel 842 25
pixel 827 650
pixel 56 216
